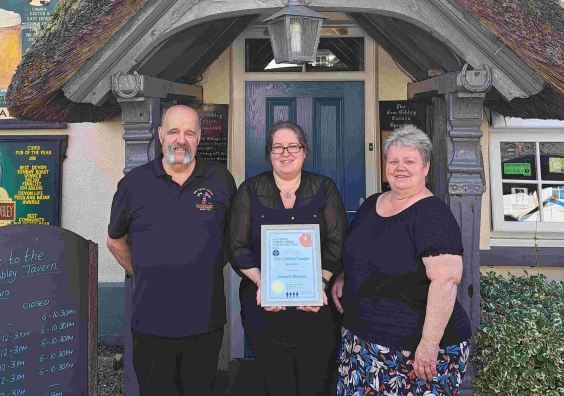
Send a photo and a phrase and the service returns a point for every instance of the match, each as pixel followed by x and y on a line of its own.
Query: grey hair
pixel 409 136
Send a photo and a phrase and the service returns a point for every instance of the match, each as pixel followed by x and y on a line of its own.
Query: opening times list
pixel 39 330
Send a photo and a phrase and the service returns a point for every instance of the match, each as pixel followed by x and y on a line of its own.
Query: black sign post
pixel 48 312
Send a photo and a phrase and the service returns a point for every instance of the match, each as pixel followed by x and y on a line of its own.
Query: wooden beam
pixel 404 42
pixel 410 66
pixel 437 50
pixel 439 85
pixel 135 86
pixel 157 61
pixel 211 43
pixel 469 81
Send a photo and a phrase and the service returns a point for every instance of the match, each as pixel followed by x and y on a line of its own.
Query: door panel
pixel 332 116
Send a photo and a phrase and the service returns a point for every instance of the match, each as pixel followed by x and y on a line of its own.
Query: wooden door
pixel 332 116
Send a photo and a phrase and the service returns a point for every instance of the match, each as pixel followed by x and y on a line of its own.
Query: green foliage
pixel 519 348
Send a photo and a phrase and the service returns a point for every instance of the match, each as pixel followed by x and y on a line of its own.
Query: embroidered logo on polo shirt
pixel 205 194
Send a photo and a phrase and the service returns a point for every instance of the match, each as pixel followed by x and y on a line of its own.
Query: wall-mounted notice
pixel 515 168
pixel 394 114
pixel 20 22
pixel 30 179
pixel 48 305
pixel 214 122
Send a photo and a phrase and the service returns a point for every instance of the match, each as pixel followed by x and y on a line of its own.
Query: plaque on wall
pixel 20 23
pixel 214 123
pixel 394 114
pixel 30 179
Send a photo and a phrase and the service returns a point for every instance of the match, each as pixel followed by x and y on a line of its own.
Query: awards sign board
pixel 30 179
pixel 48 305
pixel 291 265
pixel 214 124
pixel 20 22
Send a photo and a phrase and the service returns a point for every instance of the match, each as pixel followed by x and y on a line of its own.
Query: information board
pixel 48 305
pixel 20 22
pixel 394 114
pixel 30 179
pixel 214 124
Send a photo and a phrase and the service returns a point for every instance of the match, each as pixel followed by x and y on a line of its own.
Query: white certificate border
pixel 264 273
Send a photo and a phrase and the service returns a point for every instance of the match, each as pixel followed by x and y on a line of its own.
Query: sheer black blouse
pixel 333 227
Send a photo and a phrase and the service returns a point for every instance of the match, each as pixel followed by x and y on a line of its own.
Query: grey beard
pixel 187 155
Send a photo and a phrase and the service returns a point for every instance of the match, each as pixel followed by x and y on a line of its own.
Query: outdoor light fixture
pixel 294 33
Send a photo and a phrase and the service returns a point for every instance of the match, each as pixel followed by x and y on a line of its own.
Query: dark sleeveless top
pixel 258 202
pixel 386 286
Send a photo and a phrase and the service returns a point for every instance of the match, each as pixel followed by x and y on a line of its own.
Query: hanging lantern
pixel 294 33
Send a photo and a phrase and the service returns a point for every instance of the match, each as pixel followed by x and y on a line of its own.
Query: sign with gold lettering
pixel 20 22
pixel 214 122
pixel 30 179
pixel 394 114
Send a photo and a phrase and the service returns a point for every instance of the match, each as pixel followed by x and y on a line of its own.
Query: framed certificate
pixel 291 265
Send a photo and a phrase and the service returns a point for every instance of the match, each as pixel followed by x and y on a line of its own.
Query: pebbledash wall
pixel 95 162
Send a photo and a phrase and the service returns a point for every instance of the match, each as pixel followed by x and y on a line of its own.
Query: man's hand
pixel 337 291
pixel 121 251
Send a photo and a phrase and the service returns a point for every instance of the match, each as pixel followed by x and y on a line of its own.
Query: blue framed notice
pixel 291 265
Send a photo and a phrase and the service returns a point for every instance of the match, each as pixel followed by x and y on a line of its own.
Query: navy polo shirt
pixel 177 239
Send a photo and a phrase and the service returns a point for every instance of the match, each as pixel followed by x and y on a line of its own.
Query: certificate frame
pixel 290 265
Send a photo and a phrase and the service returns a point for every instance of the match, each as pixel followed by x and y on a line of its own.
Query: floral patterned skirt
pixel 366 368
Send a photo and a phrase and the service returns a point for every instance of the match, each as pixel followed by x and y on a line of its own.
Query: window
pixel 333 54
pixel 527 180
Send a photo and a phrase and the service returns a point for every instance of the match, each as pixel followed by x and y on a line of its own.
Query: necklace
pixel 287 192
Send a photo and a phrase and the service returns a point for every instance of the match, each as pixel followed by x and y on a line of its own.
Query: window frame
pixel 261 32
pixel 544 230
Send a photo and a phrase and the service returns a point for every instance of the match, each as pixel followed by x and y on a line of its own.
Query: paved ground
pixel 241 379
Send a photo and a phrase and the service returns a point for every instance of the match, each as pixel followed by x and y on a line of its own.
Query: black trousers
pixel 304 368
pixel 176 366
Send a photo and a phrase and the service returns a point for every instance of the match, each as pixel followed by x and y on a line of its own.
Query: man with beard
pixel 167 229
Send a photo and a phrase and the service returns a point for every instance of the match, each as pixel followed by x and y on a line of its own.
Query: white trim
pixel 498 135
pixel 514 242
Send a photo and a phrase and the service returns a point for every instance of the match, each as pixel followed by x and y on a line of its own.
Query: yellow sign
pixel 7 208
pixel 556 165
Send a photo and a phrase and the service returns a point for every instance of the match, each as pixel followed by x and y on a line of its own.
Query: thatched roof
pixel 532 29
pixel 77 30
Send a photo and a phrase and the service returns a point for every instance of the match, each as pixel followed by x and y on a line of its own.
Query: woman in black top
pixel 294 347
pixel 403 330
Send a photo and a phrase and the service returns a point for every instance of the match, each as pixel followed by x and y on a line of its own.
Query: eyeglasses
pixel 292 149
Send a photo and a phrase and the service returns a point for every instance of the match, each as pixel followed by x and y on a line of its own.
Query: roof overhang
pixel 157 22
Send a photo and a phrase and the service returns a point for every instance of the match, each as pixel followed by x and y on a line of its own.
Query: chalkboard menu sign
pixel 394 114
pixel 214 122
pixel 30 179
pixel 48 327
